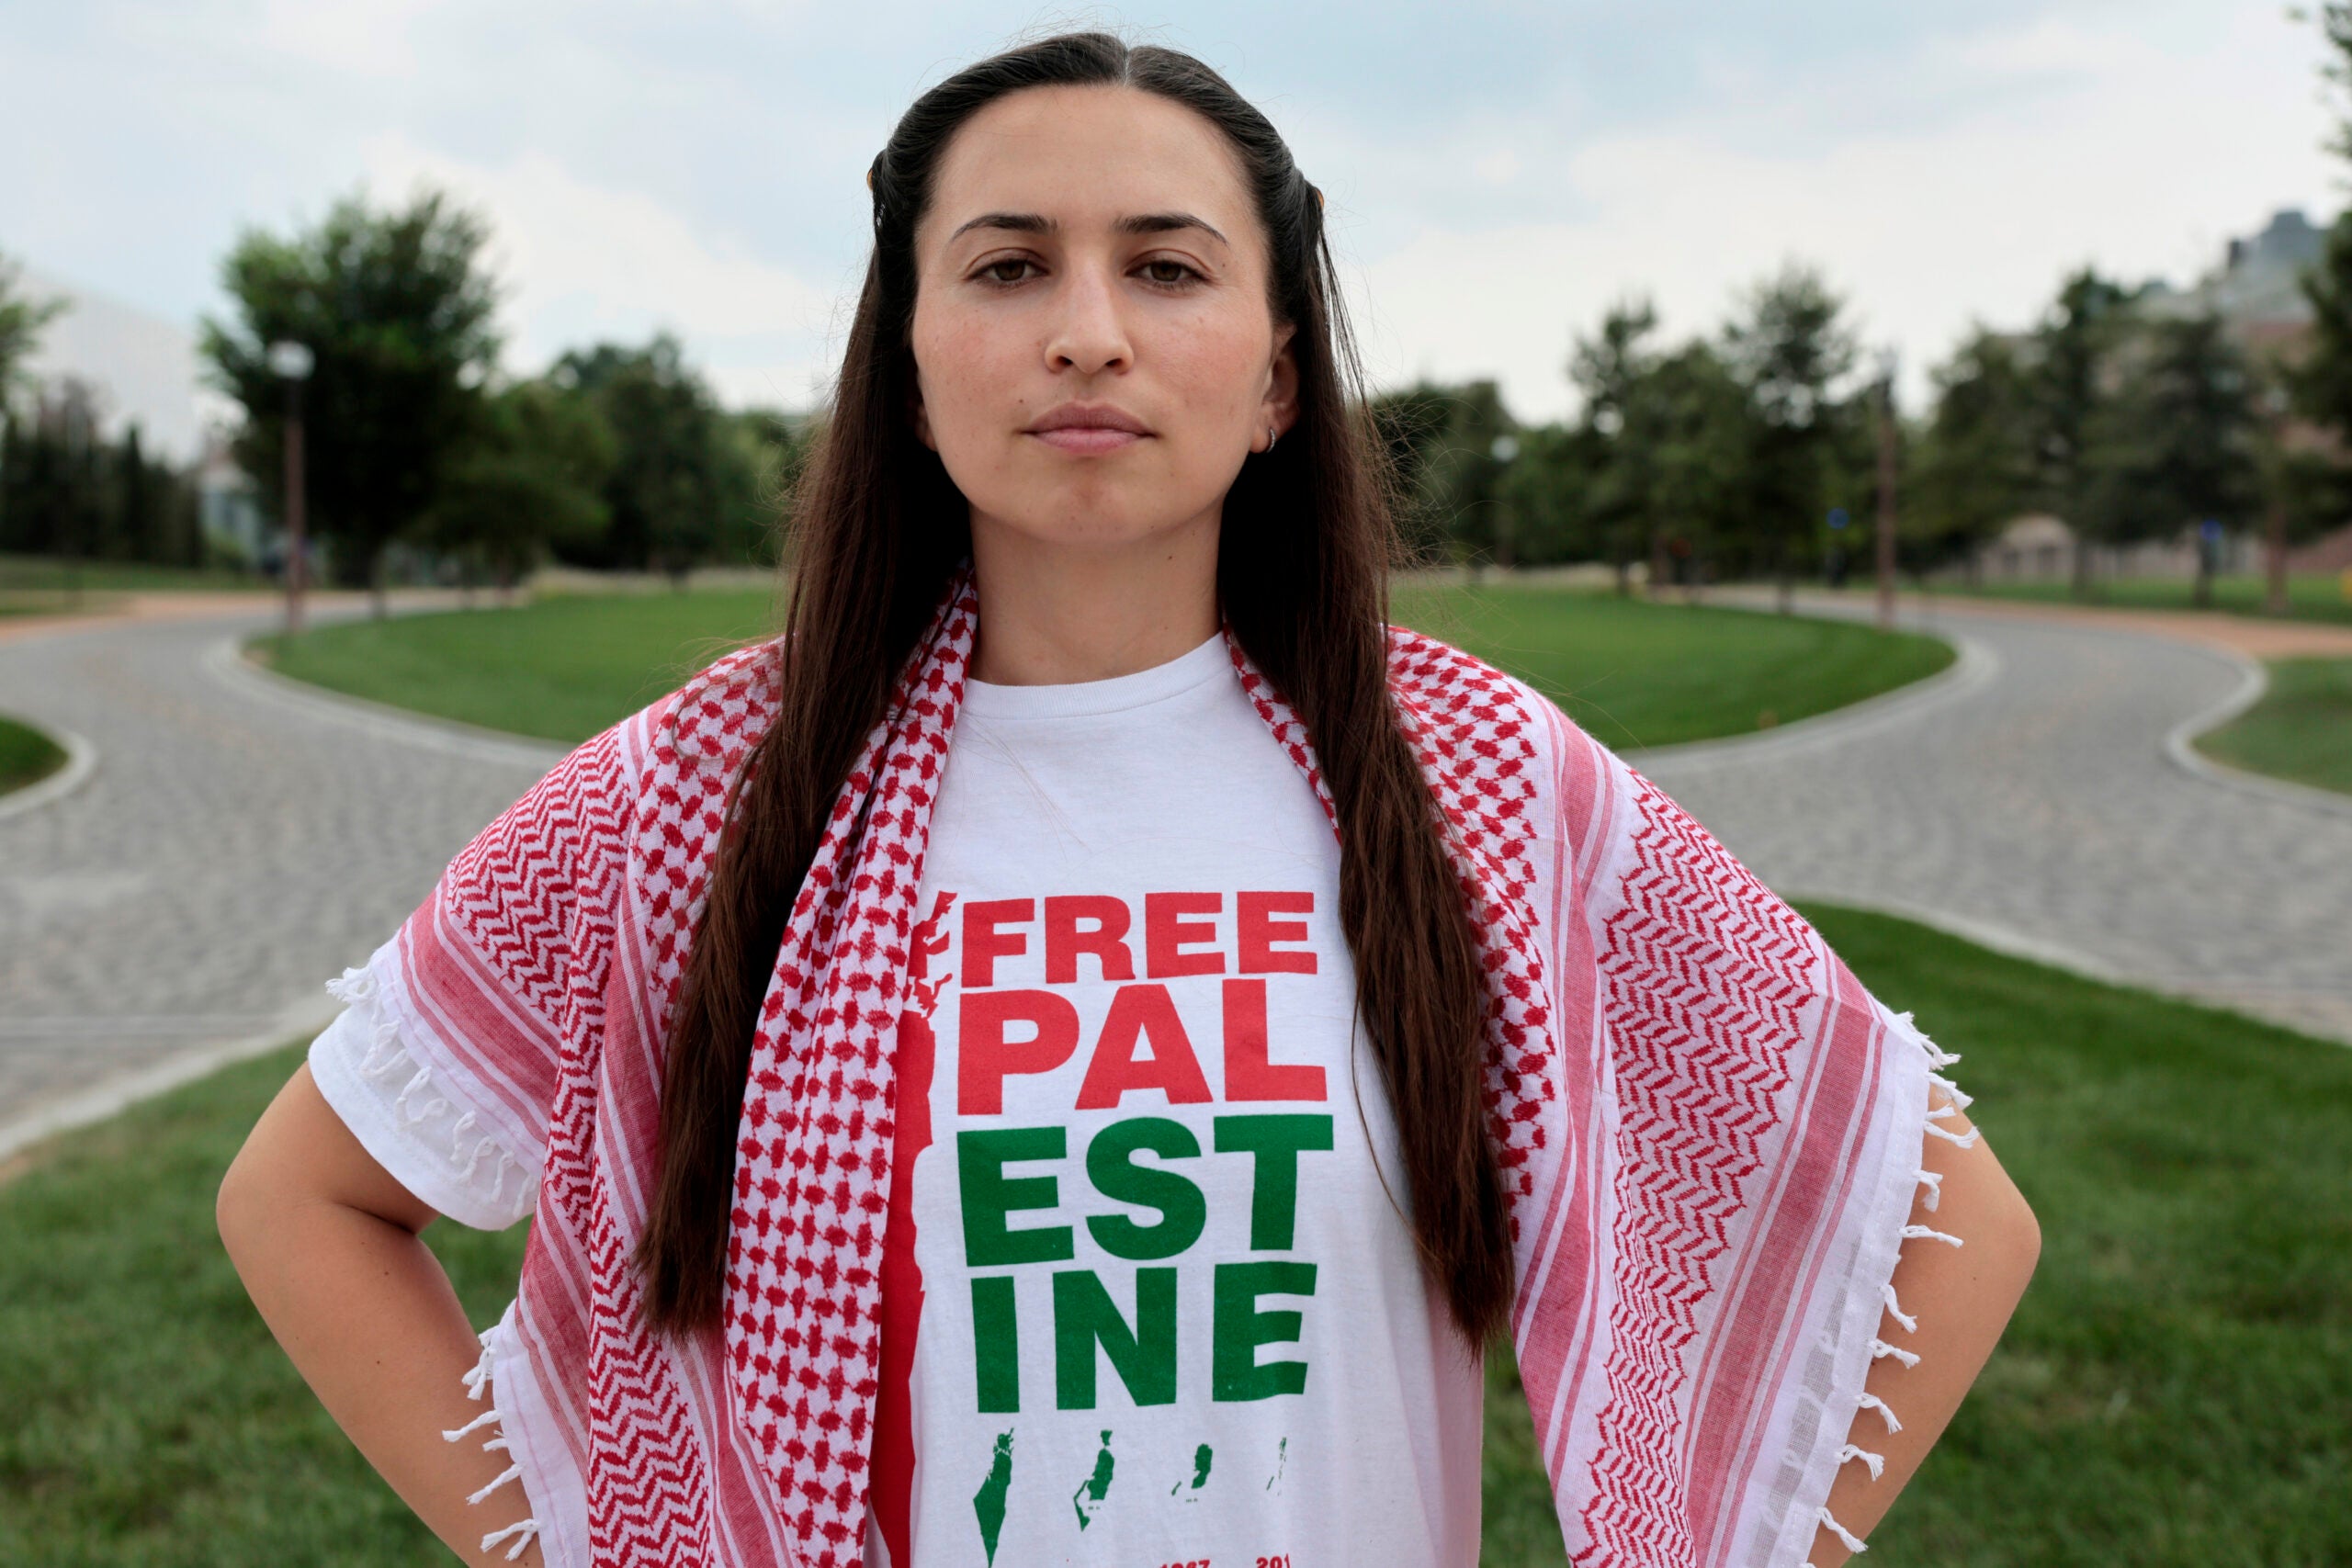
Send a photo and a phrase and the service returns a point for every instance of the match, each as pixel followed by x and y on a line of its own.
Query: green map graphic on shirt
pixel 1201 1460
pixel 988 1503
pixel 1095 1487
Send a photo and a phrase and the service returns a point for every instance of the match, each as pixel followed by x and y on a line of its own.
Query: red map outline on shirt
pixel 894 1435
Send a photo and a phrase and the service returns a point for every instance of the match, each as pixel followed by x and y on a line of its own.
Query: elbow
pixel 228 1210
pixel 236 1209
pixel 2013 1247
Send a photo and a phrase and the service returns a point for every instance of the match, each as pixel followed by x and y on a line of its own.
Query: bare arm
pixel 326 1243
pixel 1962 1297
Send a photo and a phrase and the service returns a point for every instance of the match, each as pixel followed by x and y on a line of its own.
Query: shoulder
pixel 697 737
pixel 1484 714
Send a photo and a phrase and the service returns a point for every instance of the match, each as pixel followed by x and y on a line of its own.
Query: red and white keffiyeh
pixel 1710 1130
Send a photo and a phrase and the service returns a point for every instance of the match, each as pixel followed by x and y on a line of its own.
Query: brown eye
pixel 1181 271
pixel 993 270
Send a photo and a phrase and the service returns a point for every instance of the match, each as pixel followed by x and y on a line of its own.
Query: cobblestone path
pixel 228 856
pixel 2033 804
pixel 233 849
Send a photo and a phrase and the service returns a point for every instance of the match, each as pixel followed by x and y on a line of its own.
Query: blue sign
pixel 1837 518
pixel 2212 529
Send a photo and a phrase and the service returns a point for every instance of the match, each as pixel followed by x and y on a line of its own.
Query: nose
pixel 1089 331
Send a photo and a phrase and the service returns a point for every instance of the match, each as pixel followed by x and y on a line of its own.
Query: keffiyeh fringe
pixel 1955 1101
pixel 387 1054
pixel 477 1384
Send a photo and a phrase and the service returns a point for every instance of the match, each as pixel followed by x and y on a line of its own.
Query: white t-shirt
pixel 1162 1304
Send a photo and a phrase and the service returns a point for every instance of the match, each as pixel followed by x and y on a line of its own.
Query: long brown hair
pixel 1306 541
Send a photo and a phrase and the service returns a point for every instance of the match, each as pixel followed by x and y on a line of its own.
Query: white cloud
pixel 696 166
pixel 362 38
pixel 2143 160
pixel 582 261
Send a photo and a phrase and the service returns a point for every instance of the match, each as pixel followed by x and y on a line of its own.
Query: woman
pixel 1069 1055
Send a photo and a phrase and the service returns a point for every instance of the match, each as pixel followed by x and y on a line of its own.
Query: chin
pixel 1096 518
pixel 1094 507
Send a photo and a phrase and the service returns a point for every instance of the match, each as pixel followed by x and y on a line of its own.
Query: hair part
pixel 1308 535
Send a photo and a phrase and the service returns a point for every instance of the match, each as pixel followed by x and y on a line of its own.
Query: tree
pixel 1450 446
pixel 1461 481
pixel 1410 423
pixel 1790 349
pixel 2310 479
pixel 1697 415
pixel 1668 440
pixel 2072 346
pixel 678 471
pixel 21 321
pixel 1612 368
pixel 53 489
pixel 2176 444
pixel 397 308
pixel 1976 464
pixel 529 481
pixel 67 490
pixel 1547 489
pixel 771 446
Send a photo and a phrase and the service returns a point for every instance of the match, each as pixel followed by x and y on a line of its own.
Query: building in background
pixel 2256 290
pixel 143 369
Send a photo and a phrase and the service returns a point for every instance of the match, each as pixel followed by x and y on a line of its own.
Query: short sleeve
pixel 436 1147
pixel 446 1061
pixel 1772 1118
pixel 1743 1152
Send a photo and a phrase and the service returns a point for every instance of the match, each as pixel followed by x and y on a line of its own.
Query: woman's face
pixel 1094 250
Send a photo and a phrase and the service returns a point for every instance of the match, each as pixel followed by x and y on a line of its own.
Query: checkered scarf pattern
pixel 1709 1137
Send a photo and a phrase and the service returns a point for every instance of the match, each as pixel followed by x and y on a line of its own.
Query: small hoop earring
pixel 1273 435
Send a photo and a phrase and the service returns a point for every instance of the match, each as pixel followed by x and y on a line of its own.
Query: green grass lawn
pixel 2174 1388
pixel 2315 597
pixel 2301 729
pixel 2172 1391
pixel 1637 673
pixel 561 668
pixel 1633 673
pixel 26 756
pixel 37 585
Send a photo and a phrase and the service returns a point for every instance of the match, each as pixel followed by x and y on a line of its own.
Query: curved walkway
pixel 2039 812
pixel 235 849
pixel 226 857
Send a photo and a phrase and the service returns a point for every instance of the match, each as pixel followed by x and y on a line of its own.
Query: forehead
pixel 1087 155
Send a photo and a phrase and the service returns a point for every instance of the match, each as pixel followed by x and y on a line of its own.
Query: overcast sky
pixel 1497 174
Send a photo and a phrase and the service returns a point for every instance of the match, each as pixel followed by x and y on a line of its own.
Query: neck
pixel 1054 614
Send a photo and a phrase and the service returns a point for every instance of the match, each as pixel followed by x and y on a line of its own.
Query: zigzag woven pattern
pixel 750 1447
pixel 1706 972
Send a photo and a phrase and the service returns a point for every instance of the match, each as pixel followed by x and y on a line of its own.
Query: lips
pixel 1087 429
pixel 1089 416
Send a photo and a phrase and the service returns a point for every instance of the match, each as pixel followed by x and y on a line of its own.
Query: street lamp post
pixel 1886 471
pixel 292 362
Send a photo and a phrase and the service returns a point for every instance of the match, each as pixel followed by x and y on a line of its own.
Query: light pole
pixel 1887 466
pixel 292 362
pixel 1503 449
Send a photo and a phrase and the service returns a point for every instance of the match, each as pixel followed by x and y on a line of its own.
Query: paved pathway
pixel 228 855
pixel 2030 802
pixel 233 847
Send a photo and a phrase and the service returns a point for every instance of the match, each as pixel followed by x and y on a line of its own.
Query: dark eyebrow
pixel 1141 223
pixel 1024 222
pixel 1163 223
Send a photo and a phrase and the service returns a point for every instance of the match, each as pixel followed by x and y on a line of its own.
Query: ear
pixel 921 415
pixel 1280 407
